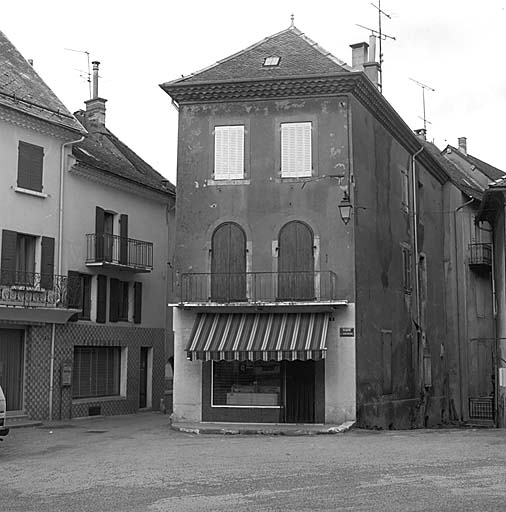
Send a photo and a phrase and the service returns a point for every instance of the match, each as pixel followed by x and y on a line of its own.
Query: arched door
pixel 296 262
pixel 228 263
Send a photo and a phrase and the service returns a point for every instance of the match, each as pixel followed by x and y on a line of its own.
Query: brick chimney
pixel 359 55
pixel 463 145
pixel 95 108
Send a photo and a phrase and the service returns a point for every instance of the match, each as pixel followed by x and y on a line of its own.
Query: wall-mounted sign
pixel 347 332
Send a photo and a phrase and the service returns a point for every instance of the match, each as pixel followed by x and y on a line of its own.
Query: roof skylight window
pixel 271 61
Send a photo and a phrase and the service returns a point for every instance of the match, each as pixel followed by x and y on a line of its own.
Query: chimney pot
pixel 95 64
pixel 30 61
pixel 421 133
pixel 371 70
pixel 358 55
pixel 463 145
pixel 372 48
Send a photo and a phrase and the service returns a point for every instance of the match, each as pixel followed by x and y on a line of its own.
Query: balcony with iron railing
pixel 107 250
pixel 480 255
pixel 32 290
pixel 260 288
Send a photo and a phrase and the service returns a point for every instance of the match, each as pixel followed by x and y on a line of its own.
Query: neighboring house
pixel 482 315
pixel 36 132
pixel 101 346
pixel 310 245
pixel 469 289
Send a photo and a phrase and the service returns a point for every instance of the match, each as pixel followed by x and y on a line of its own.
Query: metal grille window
pixel 96 372
pixel 229 152
pixel 246 383
pixel 296 151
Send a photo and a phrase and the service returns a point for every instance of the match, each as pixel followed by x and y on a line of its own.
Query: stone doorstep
pixel 264 429
pixel 20 420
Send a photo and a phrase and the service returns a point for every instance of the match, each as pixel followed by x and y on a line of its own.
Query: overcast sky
pixel 454 46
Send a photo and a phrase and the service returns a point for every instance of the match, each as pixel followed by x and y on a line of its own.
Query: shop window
pixel 96 372
pixel 296 150
pixel 229 152
pixel 246 383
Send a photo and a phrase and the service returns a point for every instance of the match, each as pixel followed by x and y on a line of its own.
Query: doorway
pixel 299 393
pixel 11 367
pixel 145 377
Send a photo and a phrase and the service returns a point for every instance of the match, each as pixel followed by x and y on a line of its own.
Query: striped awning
pixel 258 336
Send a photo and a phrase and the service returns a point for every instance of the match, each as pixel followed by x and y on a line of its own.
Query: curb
pixel 341 429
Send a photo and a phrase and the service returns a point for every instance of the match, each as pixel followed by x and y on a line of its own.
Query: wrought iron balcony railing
pixel 28 289
pixel 480 255
pixel 315 286
pixel 104 249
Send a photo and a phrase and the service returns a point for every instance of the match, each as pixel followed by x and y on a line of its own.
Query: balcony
pixel 31 290
pixel 480 256
pixel 106 250
pixel 260 289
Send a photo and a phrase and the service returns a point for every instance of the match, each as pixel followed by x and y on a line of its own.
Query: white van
pixel 3 429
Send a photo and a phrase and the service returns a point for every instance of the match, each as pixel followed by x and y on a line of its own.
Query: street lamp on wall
pixel 345 208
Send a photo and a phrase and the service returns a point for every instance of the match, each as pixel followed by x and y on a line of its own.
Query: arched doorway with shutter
pixel 296 280
pixel 228 263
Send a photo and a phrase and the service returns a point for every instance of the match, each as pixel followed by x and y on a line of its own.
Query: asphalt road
pixel 136 463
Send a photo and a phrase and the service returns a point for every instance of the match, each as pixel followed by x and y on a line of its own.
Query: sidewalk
pixel 268 429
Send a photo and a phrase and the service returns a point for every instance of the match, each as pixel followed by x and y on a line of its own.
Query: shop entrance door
pixel 299 391
pixel 11 367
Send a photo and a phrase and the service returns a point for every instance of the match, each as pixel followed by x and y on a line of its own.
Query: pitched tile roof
pixel 102 150
pixel 22 89
pixel 491 172
pixel 460 179
pixel 298 54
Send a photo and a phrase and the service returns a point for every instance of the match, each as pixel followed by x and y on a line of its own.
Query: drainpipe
pixel 415 280
pixel 58 265
pixel 457 291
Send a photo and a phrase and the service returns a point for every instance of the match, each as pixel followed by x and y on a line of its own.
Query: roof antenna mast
pixel 381 36
pixel 424 87
pixel 88 73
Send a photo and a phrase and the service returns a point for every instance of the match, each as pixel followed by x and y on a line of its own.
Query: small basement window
pixel 272 61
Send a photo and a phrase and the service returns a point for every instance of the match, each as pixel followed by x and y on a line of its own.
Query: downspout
pixel 58 266
pixel 415 280
pixel 457 291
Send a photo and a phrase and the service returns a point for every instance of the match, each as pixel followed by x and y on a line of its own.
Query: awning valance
pixel 258 336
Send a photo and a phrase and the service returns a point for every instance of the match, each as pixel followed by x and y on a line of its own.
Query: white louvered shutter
pixel 229 153
pixel 296 158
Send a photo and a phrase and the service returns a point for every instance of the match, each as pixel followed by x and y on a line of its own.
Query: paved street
pixel 136 463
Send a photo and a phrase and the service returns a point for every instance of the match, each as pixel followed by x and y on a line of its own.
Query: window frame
pixel 407 269
pixel 113 389
pixel 229 175
pixel 29 156
pixel 405 203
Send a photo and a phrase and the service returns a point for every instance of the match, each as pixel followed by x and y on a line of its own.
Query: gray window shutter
pixel 123 244
pixel 101 298
pixel 113 299
pixel 74 290
pixel 47 263
pixel 296 150
pixel 229 152
pixel 99 233
pixel 137 302
pixel 30 164
pixel 8 259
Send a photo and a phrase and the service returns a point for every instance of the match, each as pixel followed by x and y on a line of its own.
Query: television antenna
pixel 381 36
pixel 88 73
pixel 424 88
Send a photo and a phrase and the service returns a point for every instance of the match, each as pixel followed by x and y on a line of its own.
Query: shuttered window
pixel 405 190
pixel 137 302
pixel 79 293
pixel 96 371
pixel 296 151
pixel 406 270
pixel 101 298
pixel 229 152
pixel 30 163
